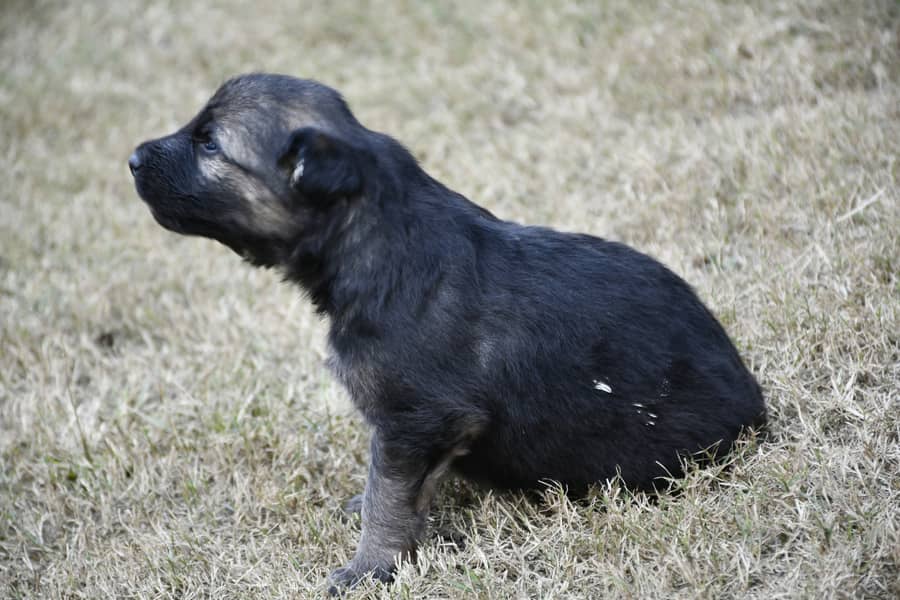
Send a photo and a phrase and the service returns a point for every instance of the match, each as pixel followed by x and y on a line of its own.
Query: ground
pixel 167 427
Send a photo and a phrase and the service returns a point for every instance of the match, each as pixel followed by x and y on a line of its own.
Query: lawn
pixel 167 426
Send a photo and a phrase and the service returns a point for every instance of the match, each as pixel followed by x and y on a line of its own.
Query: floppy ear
pixel 320 166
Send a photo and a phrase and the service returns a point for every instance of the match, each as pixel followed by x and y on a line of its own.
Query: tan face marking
pixel 233 141
pixel 261 211
pixel 266 214
pixel 236 126
pixel 213 168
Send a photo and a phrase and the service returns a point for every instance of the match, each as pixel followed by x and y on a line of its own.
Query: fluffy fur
pixel 507 354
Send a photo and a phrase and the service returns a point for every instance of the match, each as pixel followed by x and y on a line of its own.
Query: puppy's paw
pixel 344 578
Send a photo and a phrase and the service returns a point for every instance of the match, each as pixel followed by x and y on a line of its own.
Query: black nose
pixel 134 162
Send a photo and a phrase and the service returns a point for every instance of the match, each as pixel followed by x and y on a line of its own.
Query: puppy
pixel 509 355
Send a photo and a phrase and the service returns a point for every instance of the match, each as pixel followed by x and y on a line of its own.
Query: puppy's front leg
pixel 395 505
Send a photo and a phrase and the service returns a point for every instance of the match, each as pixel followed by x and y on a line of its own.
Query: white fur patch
pixel 298 172
pixel 602 386
pixel 485 352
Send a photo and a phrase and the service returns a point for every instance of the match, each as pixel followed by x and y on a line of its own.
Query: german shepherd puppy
pixel 507 354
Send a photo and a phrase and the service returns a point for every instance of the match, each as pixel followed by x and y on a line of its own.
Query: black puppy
pixel 507 354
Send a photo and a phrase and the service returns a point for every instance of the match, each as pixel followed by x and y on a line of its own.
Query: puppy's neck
pixel 347 258
pixel 369 261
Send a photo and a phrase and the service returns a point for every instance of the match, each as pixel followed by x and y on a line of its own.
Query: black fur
pixel 513 354
pixel 559 316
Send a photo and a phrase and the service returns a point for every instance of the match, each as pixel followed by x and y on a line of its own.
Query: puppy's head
pixel 256 167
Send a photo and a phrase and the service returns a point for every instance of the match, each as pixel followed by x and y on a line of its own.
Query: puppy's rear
pixel 509 354
pixel 599 361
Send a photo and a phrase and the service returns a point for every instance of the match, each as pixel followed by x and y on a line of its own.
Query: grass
pixel 167 428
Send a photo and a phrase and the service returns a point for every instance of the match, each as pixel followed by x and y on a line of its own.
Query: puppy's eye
pixel 210 147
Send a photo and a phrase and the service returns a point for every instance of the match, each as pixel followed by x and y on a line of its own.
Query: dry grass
pixel 167 428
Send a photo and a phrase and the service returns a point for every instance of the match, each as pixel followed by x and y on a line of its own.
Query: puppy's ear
pixel 320 166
